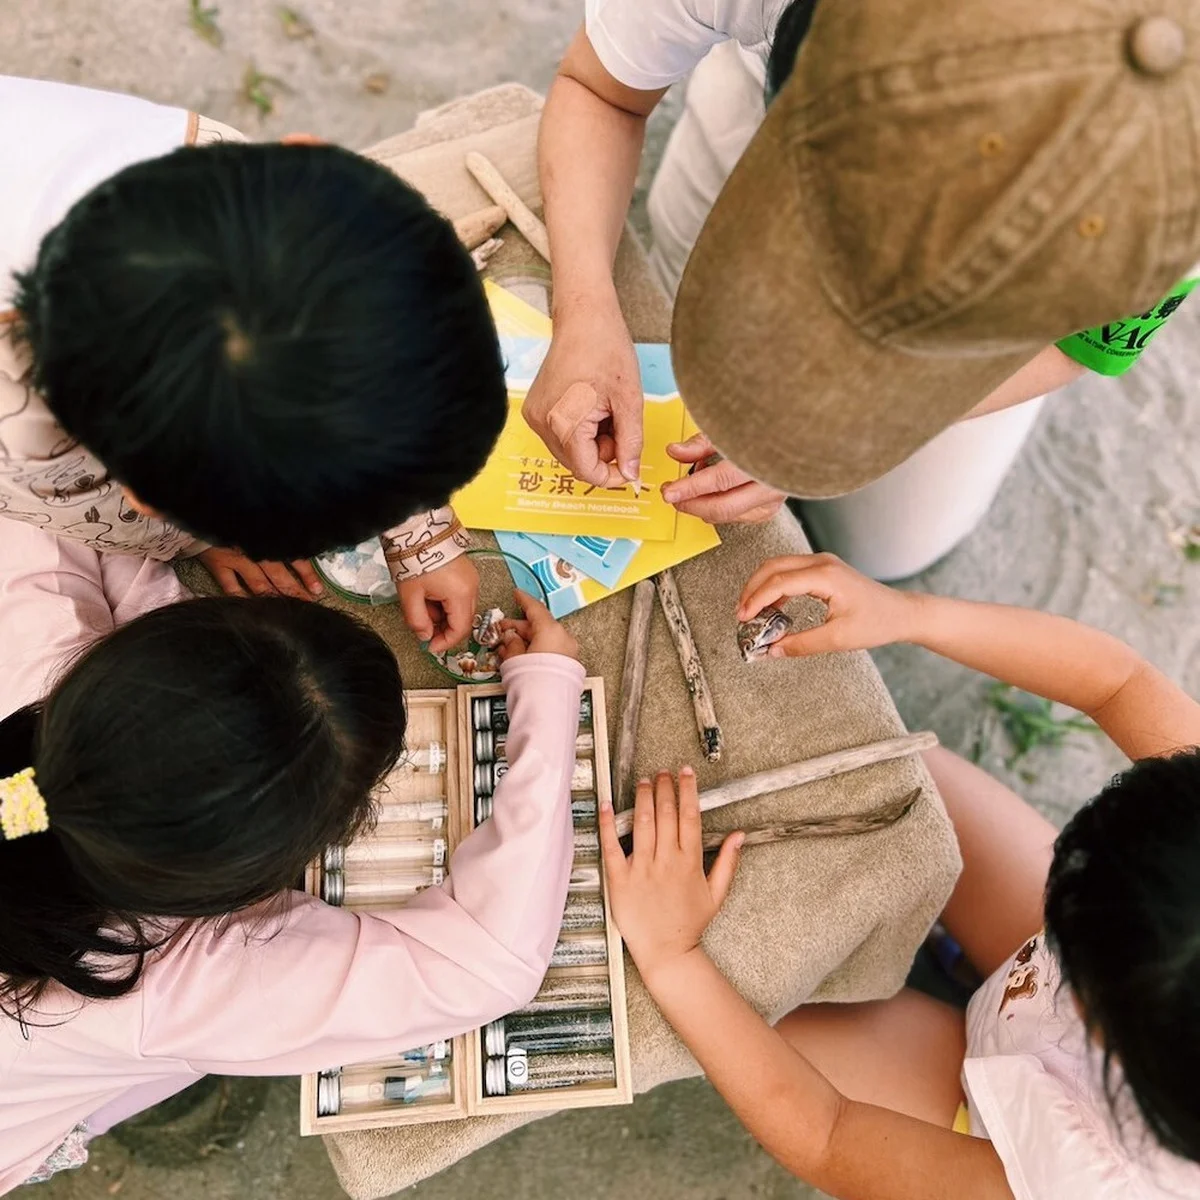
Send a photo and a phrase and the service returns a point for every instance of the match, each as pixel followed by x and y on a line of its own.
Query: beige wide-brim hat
pixel 935 196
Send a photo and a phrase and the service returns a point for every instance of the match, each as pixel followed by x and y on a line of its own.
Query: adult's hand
pixel 586 402
pixel 717 491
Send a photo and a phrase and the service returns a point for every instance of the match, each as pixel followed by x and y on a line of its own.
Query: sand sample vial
pixel 561 993
pixel 584 911
pixel 491 746
pixel 366 889
pixel 386 851
pixel 491 712
pixel 549 1033
pixel 435 1055
pixel 430 759
pixel 521 1072
pixel 367 1089
pixel 580 950
pixel 585 878
pixel 410 814
pixel 489 774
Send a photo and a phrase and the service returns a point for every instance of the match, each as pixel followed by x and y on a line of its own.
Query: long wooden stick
pixel 475 228
pixel 841 825
pixel 633 685
pixel 693 668
pixel 519 213
pixel 808 770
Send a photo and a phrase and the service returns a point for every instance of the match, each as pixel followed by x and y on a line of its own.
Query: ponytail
pixel 191 764
pixel 48 923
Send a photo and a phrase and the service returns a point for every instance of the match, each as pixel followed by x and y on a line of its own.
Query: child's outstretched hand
pixel 661 900
pixel 440 605
pixel 862 613
pixel 538 632
pixel 238 575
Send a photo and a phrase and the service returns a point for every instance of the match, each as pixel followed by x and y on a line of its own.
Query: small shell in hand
pixel 757 635
pixel 486 628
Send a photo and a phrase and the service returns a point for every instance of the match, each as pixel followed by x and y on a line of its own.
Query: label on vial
pixel 517 1068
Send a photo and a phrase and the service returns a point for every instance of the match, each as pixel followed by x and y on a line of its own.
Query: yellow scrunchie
pixel 22 806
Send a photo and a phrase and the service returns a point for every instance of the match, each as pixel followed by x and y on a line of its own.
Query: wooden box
pixel 458 1079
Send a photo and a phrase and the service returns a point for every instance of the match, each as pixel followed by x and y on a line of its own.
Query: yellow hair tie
pixel 22 806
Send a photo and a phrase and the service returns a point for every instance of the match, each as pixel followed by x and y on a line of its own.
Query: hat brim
pixel 774 374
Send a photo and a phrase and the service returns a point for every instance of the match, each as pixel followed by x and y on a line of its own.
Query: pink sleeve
pixel 331 987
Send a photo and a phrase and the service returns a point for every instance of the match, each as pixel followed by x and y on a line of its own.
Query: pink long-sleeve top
pixel 314 987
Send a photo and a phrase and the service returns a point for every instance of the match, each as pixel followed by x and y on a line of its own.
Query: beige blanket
pixel 834 919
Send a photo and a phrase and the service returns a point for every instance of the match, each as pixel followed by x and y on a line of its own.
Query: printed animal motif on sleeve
pixel 1022 983
pixel 424 543
pixel 48 479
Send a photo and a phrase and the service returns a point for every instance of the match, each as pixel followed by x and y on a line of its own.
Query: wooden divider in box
pixel 611 1076
pixel 372 1095
pixel 366 1099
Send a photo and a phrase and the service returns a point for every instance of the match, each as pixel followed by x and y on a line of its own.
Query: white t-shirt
pixel 651 44
pixel 1034 1085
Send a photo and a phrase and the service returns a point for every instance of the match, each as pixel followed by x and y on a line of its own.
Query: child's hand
pixel 238 575
pixel 538 633
pixel 660 898
pixel 440 606
pixel 862 613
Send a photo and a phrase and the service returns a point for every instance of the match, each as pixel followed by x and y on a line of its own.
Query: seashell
pixel 757 635
pixel 486 628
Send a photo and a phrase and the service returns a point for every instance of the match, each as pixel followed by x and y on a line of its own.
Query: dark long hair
pixel 1123 921
pixel 192 763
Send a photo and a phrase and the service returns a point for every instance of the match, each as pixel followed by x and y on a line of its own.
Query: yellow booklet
pixel 525 489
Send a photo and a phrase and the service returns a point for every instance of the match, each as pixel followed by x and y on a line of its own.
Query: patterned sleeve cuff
pixel 424 543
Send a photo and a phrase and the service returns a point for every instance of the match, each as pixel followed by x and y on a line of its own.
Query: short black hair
pixel 1123 921
pixel 280 348
pixel 192 763
pixel 790 32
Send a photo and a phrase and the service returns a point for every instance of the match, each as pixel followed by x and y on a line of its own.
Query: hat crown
pixel 979 181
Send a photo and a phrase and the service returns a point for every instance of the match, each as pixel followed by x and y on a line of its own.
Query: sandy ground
pixel 1083 526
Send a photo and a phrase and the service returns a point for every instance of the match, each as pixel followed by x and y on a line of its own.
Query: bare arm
pixel 1048 371
pixel 586 403
pixel 1143 712
pixel 852 1151
pixel 1133 702
pixel 587 194
pixel 662 902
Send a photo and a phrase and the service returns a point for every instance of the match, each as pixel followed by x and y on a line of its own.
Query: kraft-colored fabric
pixel 932 199
pixel 835 919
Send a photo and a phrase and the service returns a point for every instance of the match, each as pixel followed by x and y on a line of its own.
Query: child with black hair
pixel 156 808
pixel 1075 1069
pixel 278 348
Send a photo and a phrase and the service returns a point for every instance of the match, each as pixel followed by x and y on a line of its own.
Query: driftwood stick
pixel 633 685
pixel 806 771
pixel 475 228
pixel 841 825
pixel 693 667
pixel 519 213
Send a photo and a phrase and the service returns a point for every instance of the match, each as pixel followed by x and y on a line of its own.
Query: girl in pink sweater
pixel 185 769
